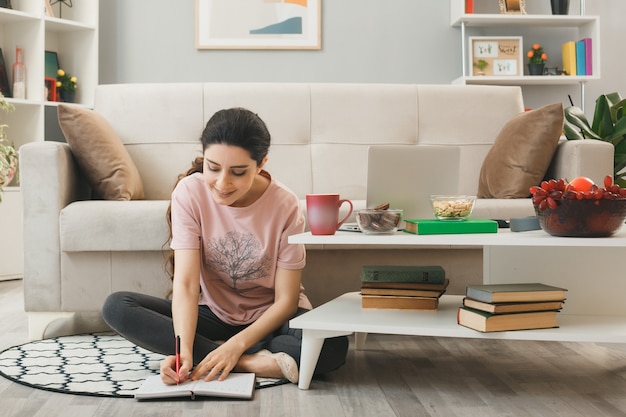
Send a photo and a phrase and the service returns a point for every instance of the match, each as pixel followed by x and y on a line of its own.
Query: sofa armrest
pixel 49 180
pixel 589 157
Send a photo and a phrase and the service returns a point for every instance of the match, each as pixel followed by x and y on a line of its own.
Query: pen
pixel 177 359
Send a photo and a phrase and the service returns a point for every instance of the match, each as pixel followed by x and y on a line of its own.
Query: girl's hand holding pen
pixel 168 370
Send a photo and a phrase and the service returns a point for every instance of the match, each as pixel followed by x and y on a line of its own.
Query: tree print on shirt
pixel 238 255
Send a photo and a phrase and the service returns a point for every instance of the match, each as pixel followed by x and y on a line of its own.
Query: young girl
pixel 237 282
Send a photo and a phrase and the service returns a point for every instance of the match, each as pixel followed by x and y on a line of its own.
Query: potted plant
pixel 536 60
pixel 66 86
pixel 609 125
pixel 481 64
pixel 8 154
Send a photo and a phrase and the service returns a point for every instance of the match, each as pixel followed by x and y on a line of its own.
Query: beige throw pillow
pixel 100 154
pixel 521 154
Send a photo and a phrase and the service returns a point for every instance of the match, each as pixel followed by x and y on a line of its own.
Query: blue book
pixel 588 56
pixel 581 58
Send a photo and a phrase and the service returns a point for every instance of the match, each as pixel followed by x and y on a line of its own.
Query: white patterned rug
pixel 101 364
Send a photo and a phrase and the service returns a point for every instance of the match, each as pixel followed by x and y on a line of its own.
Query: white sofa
pixel 78 250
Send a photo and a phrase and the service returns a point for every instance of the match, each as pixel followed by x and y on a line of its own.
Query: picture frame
pixel 258 24
pixel 512 6
pixel 51 64
pixel 5 87
pixel 503 56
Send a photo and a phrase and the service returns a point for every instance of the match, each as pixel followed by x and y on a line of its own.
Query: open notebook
pixel 236 385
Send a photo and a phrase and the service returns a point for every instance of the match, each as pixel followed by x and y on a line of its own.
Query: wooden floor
pixel 393 376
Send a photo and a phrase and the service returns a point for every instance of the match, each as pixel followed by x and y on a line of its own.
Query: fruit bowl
pixel 564 210
pixel 452 207
pixel 377 222
pixel 583 218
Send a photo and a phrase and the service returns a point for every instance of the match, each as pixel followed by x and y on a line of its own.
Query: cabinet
pixel 73 34
pixel 551 31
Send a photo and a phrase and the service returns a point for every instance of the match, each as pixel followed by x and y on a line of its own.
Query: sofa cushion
pixel 114 226
pixel 100 154
pixel 521 153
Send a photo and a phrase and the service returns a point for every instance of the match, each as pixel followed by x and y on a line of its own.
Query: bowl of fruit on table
pixel 579 208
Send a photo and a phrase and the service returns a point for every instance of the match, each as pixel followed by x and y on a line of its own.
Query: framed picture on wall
pixel 4 78
pixel 258 24
pixel 502 56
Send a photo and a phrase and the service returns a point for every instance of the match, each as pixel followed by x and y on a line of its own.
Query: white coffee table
pixel 591 320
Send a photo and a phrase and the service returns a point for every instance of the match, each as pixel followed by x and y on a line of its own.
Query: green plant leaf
pixel 602 123
pixel 617 110
pixel 577 126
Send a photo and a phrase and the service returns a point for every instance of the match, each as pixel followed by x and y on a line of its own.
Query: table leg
pixel 312 342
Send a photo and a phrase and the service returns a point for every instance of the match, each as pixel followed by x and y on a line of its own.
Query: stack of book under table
pixel 402 287
pixel 500 307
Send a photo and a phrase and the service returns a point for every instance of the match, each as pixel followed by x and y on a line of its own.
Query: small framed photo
pixel 51 64
pixel 491 56
pixel 513 6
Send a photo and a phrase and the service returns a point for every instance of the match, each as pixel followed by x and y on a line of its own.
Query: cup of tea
pixel 323 213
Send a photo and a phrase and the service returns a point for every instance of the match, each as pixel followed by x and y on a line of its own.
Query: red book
pixel 469 6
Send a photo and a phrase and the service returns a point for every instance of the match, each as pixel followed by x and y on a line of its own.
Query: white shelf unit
pixel 75 39
pixel 551 31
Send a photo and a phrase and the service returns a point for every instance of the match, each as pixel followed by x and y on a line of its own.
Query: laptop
pixel 396 175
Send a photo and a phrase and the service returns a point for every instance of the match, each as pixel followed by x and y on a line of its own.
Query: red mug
pixel 323 213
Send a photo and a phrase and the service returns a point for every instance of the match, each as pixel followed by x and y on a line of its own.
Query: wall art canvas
pixel 258 24
pixel 501 56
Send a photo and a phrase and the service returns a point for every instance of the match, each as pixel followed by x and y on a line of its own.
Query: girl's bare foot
pixel 270 365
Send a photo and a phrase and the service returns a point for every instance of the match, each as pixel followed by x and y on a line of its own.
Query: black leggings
pixel 147 322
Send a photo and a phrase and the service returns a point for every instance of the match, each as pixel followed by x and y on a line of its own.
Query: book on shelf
pixel 505 308
pixel 487 322
pixel 469 6
pixel 588 56
pixel 398 302
pixel 429 286
pixel 438 227
pixel 581 58
pixel 402 273
pixel 568 51
pixel 515 293
pixel 236 385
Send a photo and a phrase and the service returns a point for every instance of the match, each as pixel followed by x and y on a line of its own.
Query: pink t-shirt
pixel 240 247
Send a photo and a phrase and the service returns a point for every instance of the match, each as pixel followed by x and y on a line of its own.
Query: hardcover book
pixel 403 273
pixel 401 303
pixel 401 292
pixel 487 322
pixel 428 286
pixel 236 385
pixel 581 58
pixel 588 56
pixel 511 293
pixel 438 227
pixel 503 308
pixel 568 51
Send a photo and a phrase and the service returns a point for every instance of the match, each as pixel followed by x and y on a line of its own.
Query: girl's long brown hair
pixel 196 166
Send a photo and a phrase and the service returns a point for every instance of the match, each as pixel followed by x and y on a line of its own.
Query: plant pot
pixel 559 6
pixel 535 69
pixel 67 96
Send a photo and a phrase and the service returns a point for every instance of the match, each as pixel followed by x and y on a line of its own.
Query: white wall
pixel 395 41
